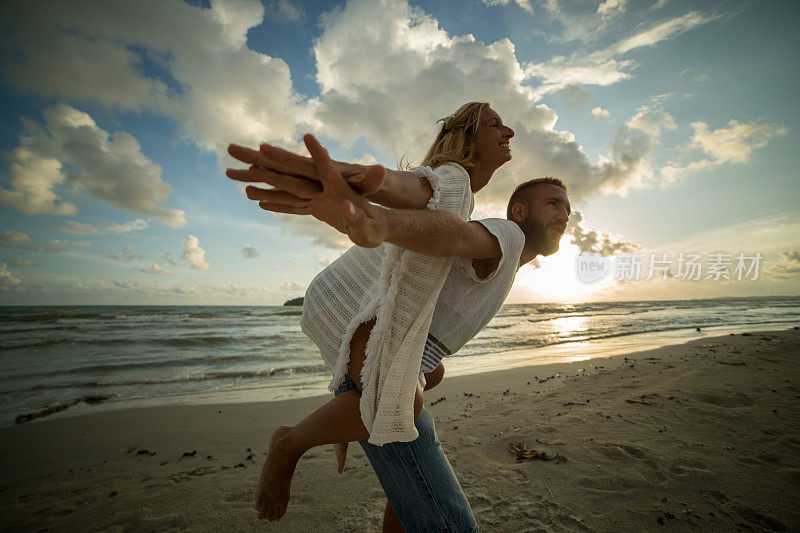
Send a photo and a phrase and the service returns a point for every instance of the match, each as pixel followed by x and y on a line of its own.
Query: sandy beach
pixel 703 436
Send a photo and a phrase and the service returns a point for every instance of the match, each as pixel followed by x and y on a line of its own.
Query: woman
pixel 351 328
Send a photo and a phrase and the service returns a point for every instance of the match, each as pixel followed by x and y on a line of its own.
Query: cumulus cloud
pixel 364 98
pixel 588 239
pixel 76 228
pixel 56 50
pixel 155 269
pixel 77 151
pixel 651 122
pixel 598 113
pixel 7 280
pixel 194 254
pixel 734 143
pixel 611 8
pixel 131 225
pixel 787 267
pixel 249 251
pixel 524 4
pixel 21 241
pixel 126 255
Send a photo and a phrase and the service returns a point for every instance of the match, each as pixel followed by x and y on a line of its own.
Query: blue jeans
pixel 418 479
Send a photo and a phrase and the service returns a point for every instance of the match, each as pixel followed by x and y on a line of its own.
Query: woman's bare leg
pixel 339 420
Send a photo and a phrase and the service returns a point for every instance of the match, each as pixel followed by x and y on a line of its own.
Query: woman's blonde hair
pixel 456 139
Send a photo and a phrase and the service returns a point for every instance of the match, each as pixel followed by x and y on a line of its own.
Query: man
pixel 488 252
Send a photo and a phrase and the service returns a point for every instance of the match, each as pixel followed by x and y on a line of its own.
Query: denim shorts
pixel 418 479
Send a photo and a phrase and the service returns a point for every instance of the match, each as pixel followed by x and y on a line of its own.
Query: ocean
pixel 120 356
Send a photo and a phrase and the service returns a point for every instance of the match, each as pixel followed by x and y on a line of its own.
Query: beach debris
pixel 749 334
pixel 113 493
pixel 443 398
pixel 209 458
pixel 522 453
pixel 697 329
pixel 189 454
pixel 733 363
pixel 145 452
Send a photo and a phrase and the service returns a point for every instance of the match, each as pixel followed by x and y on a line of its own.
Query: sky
pixel 673 123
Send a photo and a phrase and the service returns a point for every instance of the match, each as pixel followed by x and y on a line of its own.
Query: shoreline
pixel 702 434
pixel 316 386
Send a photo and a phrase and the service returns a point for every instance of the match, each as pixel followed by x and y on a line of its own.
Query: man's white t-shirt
pixel 467 303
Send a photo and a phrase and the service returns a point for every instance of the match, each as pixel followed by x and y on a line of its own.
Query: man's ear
pixel 519 211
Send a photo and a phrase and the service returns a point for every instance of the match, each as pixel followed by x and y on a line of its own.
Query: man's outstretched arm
pixel 275 166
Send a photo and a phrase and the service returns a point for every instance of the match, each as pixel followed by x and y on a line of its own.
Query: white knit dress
pixel 397 287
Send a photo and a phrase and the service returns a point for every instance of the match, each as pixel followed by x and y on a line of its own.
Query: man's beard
pixel 536 237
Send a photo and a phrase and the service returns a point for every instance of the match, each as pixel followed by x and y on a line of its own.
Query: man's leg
pixel 339 420
pixel 420 483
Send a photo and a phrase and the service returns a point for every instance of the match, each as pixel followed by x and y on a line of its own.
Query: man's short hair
pixel 520 190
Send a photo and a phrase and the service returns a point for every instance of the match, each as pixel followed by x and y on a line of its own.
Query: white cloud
pixel 126 255
pixel 320 234
pixel 59 51
pixel 155 269
pixel 524 4
pixel 76 228
pixel 589 239
pixel 598 113
pixel 77 151
pixel 194 254
pixel 249 251
pixel 651 122
pixel 131 225
pixel 21 241
pixel 734 143
pixel 606 67
pixel 788 266
pixel 291 286
pixel 661 32
pixel 7 280
pixel 611 8
pixel 362 97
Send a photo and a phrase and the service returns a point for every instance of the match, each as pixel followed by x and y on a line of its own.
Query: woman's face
pixel 492 147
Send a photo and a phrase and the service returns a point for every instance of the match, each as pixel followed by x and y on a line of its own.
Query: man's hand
pixel 330 199
pixel 276 167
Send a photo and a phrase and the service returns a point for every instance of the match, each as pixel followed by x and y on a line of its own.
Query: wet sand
pixel 702 436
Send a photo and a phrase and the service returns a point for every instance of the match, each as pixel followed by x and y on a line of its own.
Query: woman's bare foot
pixel 273 489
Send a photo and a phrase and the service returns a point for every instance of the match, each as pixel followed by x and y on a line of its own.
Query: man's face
pixel 546 216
